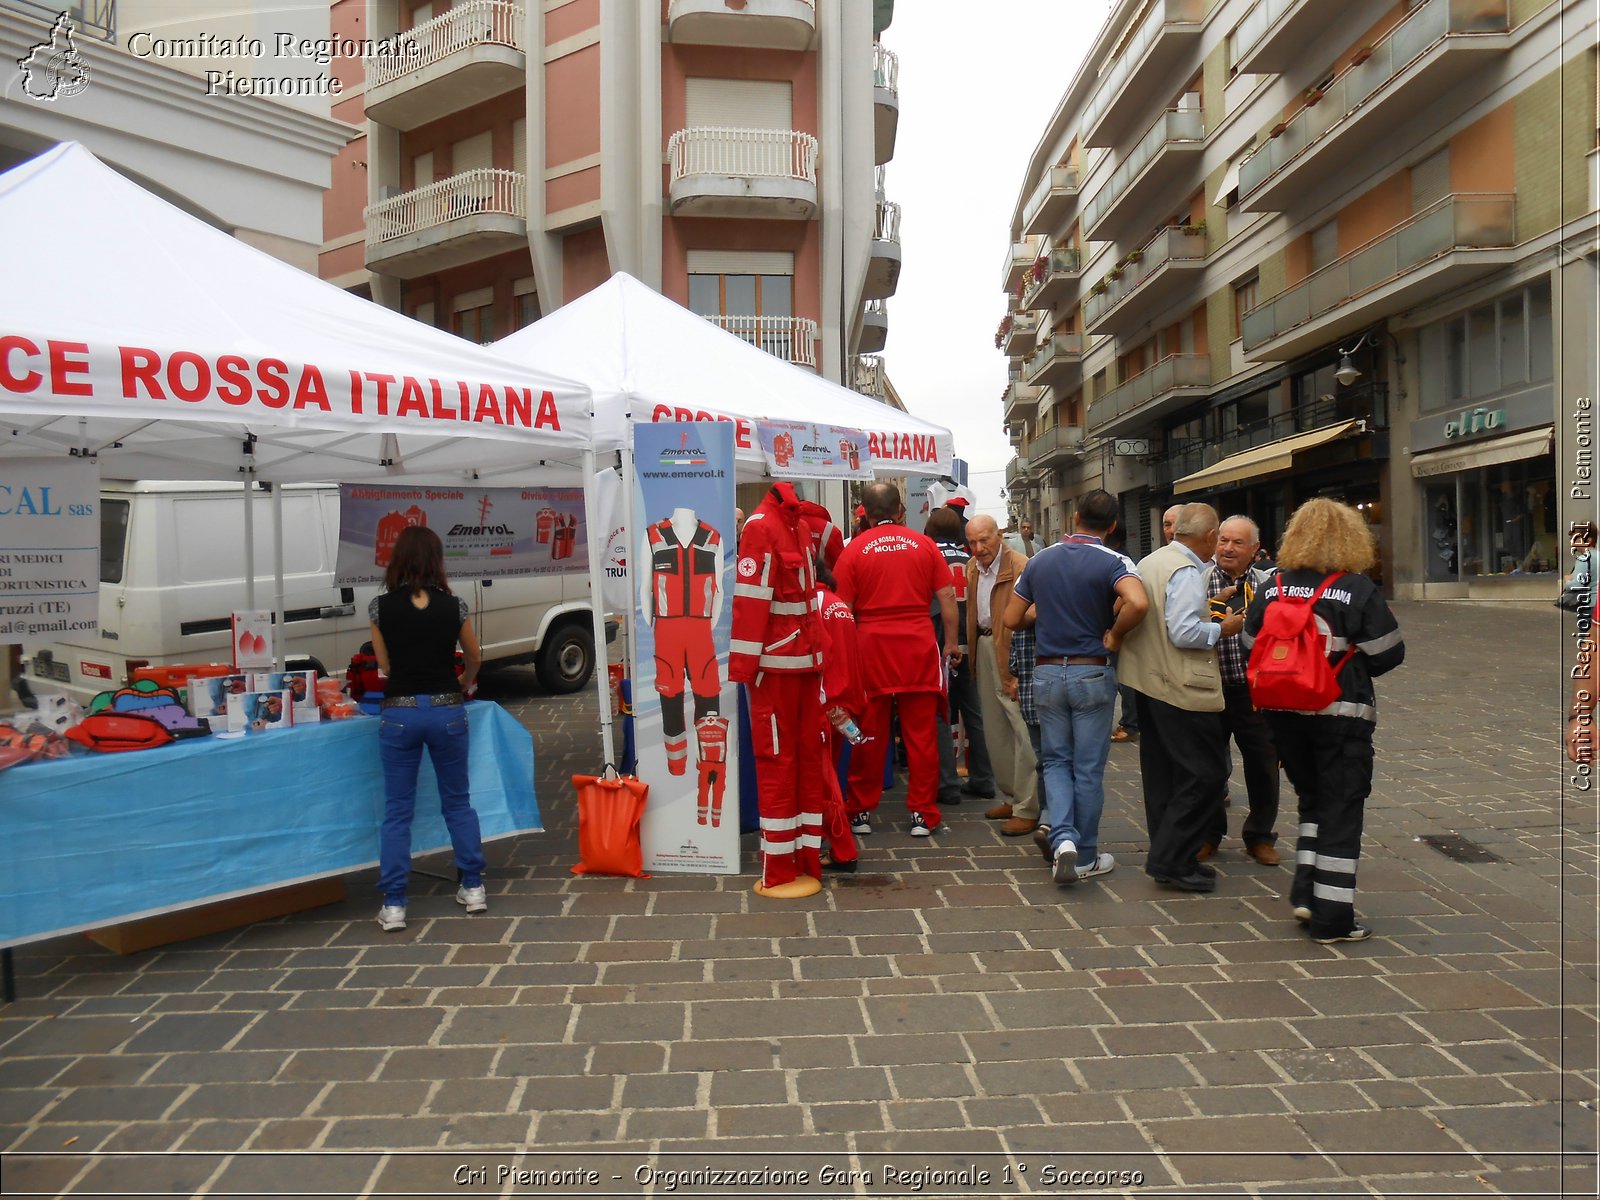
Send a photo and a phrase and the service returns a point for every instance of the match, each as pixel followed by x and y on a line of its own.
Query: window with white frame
pixel 472 316
pixel 1502 346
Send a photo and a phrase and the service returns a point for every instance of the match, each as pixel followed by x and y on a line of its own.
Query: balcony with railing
pixel 1051 201
pixel 885 102
pixel 1057 363
pixel 1054 446
pixel 469 54
pixel 1272 445
pixel 1168 153
pixel 760 24
pixel 718 171
pixel 793 339
pixel 1447 245
pixel 1019 257
pixel 1016 473
pixel 1169 384
pixel 1018 331
pixel 1169 33
pixel 1144 283
pixel 1052 277
pixel 867 376
pixel 466 218
pixel 883 254
pixel 1020 400
pixel 1276 35
pixel 874 327
pixel 1439 44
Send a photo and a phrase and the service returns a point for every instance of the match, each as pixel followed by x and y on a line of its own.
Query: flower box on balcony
pixel 1114 273
pixel 1361 56
pixel 1135 256
pixel 1099 289
pixel 1314 96
pixel 1277 130
pixel 1198 229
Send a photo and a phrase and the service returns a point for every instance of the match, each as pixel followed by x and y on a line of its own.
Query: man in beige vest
pixel 1170 661
pixel 991 574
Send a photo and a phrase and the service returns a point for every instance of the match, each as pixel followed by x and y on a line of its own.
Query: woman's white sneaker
pixel 392 917
pixel 475 899
pixel 1103 864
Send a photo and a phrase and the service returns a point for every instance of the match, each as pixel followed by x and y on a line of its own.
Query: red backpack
pixel 1289 662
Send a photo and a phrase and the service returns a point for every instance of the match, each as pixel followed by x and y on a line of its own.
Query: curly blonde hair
pixel 1324 535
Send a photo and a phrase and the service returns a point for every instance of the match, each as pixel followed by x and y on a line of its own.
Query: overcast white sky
pixel 977 85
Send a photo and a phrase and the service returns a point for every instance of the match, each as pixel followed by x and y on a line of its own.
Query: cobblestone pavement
pixel 948 1005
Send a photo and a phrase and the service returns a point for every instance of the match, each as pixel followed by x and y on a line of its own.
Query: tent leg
pixel 278 642
pixel 249 540
pixel 602 676
pixel 8 976
pixel 630 618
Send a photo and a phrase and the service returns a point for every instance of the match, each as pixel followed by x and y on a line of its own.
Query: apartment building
pixel 729 154
pixel 254 166
pixel 1268 250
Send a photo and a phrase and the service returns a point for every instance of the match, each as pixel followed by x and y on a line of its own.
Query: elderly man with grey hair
pixel 1170 660
pixel 1231 584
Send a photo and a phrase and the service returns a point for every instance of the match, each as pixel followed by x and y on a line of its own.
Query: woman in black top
pixel 416 624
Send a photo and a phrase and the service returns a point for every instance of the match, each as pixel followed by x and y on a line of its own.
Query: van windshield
pixel 113 539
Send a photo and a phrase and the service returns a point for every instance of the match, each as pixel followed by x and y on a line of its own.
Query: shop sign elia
pixel 1479 420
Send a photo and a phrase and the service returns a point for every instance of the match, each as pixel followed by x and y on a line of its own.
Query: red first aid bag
pixel 1288 667
pixel 610 807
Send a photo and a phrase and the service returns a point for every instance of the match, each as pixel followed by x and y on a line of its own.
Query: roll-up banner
pixel 49 547
pixel 488 533
pixel 684 708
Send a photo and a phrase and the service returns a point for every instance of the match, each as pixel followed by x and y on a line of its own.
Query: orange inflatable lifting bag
pixel 610 808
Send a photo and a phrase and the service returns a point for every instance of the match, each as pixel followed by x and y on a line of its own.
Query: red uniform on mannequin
pixel 776 650
pixel 841 688
pixel 890 576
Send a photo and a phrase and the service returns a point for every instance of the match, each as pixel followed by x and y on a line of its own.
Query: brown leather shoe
pixel 1264 853
pixel 1018 826
pixel 1206 851
pixel 999 812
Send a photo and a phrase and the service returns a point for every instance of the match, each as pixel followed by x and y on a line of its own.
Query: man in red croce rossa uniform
pixel 890 576
pixel 776 651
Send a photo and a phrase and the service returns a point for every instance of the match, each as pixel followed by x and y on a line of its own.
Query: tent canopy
pixel 137 334
pixel 649 359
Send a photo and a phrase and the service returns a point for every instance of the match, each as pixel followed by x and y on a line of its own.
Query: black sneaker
pixel 920 826
pixel 1356 933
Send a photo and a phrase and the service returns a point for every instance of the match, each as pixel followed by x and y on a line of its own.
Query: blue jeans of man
pixel 402 734
pixel 1075 706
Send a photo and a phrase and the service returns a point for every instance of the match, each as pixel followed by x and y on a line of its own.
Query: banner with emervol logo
pixel 801 450
pixel 488 533
pixel 685 710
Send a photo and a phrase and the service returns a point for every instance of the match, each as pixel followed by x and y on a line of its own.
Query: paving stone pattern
pixel 948 1001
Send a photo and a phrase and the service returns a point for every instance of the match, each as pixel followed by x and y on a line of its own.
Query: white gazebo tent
pixel 649 359
pixel 139 336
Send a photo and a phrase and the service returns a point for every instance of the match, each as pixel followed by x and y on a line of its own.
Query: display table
pixel 102 838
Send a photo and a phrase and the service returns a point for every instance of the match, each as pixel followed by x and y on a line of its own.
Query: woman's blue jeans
pixel 402 734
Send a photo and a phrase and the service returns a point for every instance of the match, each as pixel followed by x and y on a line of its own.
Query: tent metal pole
pixel 602 677
pixel 278 642
pixel 630 618
pixel 249 540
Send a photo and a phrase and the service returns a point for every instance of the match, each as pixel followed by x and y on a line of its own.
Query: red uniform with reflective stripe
pixel 775 621
pixel 683 577
pixel 776 649
pixel 889 577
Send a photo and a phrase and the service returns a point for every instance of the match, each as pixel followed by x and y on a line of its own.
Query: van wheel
pixel 566 660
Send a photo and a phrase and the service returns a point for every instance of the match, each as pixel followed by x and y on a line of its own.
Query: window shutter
pixel 519 145
pixel 740 103
pixel 741 262
pixel 471 153
pixel 1430 180
pixel 422 170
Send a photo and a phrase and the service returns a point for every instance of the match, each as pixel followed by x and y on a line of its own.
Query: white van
pixel 172 574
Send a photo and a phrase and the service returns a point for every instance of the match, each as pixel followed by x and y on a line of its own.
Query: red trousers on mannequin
pixel 787 728
pixel 919 733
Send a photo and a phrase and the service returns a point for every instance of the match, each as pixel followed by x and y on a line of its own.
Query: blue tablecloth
pixel 102 838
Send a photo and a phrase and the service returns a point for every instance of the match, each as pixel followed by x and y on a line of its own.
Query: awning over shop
pixel 1262 460
pixel 1513 448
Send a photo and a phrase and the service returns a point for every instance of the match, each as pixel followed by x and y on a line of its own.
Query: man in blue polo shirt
pixel 1087 597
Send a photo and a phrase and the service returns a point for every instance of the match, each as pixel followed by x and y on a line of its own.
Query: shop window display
pixel 1499 521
